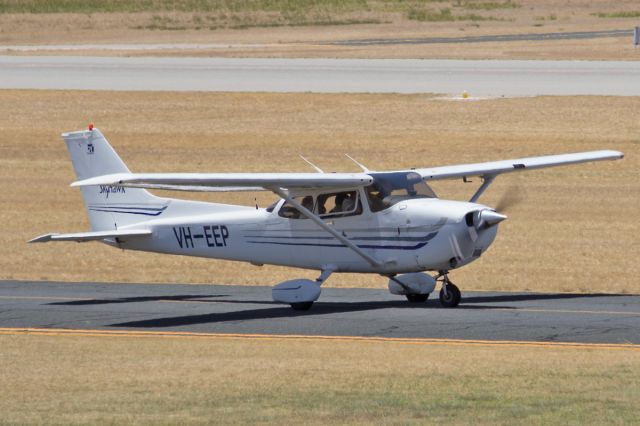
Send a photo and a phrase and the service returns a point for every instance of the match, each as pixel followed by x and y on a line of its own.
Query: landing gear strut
pixel 449 294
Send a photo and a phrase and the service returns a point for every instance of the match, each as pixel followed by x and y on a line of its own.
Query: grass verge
pixel 72 380
pixel 259 13
pixel 622 14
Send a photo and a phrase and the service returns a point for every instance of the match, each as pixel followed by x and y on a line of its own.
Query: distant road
pixel 488 38
pixel 580 318
pixel 479 78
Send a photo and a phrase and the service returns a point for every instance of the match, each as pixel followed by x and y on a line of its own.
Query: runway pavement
pixel 479 78
pixel 586 318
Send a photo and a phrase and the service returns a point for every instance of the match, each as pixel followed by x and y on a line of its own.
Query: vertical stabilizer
pixel 108 207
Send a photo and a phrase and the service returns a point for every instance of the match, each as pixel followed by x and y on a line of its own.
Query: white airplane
pixel 388 223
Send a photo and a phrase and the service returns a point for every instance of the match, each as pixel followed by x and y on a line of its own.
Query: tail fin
pixel 108 207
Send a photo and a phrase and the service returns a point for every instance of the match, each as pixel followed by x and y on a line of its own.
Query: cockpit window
pixel 272 206
pixel 289 211
pixel 391 188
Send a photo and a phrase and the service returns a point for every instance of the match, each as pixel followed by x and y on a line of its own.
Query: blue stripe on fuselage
pixel 423 243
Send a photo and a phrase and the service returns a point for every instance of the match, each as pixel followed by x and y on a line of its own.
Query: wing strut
pixel 486 181
pixel 344 240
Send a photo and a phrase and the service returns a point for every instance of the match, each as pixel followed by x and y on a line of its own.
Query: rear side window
pixel 339 204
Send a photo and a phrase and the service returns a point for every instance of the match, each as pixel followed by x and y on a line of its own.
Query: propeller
pixel 511 197
pixel 477 221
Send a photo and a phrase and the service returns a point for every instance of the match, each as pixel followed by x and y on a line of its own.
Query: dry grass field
pixel 107 380
pixel 575 229
pixel 294 28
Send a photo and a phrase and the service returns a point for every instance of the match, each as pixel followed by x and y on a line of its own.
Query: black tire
pixel 301 306
pixel 452 298
pixel 417 298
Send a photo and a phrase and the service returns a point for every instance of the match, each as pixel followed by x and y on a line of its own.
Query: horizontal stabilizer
pixel 92 236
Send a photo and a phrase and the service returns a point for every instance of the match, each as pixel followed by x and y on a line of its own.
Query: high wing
pixel 219 182
pixel 93 236
pixel 494 168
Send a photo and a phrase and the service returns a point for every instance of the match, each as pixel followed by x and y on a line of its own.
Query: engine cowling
pixel 414 283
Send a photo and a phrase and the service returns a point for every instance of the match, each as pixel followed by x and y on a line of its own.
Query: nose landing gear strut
pixel 449 293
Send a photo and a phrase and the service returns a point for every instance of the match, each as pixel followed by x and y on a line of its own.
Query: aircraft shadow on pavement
pixel 282 311
pixel 277 310
pixel 183 297
pixel 324 308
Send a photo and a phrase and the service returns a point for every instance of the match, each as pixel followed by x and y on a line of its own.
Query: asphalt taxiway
pixel 528 317
pixel 575 35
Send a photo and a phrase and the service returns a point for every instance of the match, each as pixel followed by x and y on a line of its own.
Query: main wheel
pixel 301 306
pixel 452 298
pixel 417 298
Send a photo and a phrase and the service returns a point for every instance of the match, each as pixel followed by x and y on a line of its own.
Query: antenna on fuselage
pixel 363 167
pixel 318 169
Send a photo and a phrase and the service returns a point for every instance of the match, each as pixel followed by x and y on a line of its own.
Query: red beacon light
pixel 90 126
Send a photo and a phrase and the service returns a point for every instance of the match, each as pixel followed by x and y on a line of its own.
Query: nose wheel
pixel 449 293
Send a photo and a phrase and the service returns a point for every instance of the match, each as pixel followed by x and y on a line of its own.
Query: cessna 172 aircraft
pixel 389 223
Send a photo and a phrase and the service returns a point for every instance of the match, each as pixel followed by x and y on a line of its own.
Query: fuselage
pixel 411 235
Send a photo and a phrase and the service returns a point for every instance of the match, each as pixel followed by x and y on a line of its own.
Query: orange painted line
pixel 400 340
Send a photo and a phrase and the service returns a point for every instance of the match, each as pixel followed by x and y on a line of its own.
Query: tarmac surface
pixel 527 317
pixel 578 35
pixel 478 77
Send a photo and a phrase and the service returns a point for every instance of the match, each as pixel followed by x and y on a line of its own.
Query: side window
pixel 290 212
pixel 339 204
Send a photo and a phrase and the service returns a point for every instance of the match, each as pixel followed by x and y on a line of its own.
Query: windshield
pixel 391 188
